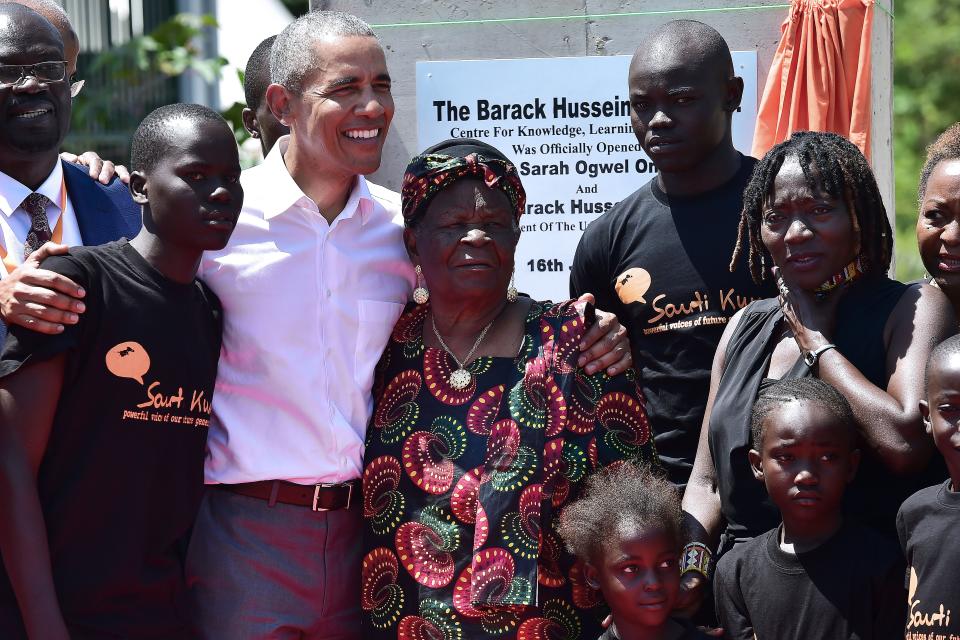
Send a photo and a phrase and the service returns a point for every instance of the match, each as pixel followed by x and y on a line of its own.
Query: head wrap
pixel 441 165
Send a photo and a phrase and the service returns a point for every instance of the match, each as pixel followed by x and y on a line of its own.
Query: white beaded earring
pixel 512 294
pixel 420 294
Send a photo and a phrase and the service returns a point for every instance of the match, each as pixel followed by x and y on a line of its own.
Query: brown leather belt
pixel 318 497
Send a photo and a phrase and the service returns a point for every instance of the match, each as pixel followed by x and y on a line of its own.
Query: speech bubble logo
pixel 632 285
pixel 128 360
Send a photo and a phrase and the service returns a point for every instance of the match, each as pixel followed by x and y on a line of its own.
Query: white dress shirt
pixel 15 221
pixel 308 309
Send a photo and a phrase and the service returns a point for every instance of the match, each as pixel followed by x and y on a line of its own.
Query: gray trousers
pixel 281 572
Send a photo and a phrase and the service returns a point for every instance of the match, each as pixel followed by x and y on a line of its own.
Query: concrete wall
pixel 744 29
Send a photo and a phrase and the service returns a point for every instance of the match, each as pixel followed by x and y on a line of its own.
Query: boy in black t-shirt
pixel 816 575
pixel 103 427
pixel 929 519
pixel 626 532
pixel 660 258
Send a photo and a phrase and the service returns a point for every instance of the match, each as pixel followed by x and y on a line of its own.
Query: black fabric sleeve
pixel 23 344
pixel 589 271
pixel 903 535
pixel 902 531
pixel 728 599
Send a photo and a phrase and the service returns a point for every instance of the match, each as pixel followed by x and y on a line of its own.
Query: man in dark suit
pixel 41 197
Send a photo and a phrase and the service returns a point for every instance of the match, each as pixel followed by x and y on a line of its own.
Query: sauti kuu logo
pixel 694 309
pixel 131 360
pixel 925 616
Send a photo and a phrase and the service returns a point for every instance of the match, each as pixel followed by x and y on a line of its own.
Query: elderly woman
pixel 812 211
pixel 938 224
pixel 483 427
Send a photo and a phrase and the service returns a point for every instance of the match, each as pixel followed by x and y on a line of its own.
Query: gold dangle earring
pixel 420 295
pixel 512 294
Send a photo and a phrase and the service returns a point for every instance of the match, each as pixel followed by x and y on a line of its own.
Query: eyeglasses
pixel 13 74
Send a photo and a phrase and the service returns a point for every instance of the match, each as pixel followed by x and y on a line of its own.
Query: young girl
pixel 626 531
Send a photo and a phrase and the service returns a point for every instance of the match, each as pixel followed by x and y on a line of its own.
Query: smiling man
pixel 42 198
pixel 659 258
pixel 312 282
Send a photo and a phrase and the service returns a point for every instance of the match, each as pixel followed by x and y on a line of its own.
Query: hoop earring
pixel 420 295
pixel 512 294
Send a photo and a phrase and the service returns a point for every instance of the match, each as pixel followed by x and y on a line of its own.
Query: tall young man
pixel 659 259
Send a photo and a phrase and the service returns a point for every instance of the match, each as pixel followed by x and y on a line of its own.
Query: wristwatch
pixel 810 357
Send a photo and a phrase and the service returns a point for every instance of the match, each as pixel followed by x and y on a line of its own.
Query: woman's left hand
pixel 811 320
pixel 605 345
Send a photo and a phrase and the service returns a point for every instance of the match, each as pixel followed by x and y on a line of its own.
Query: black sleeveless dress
pixel 876 494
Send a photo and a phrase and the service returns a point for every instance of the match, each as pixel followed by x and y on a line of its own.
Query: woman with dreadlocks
pixel 813 220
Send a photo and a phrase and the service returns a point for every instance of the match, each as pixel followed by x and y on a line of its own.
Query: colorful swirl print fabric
pixel 461 488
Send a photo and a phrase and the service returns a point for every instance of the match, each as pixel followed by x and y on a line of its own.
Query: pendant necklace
pixel 461 378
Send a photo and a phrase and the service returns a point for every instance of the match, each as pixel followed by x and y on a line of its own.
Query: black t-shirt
pixel 122 476
pixel 661 263
pixel 850 587
pixel 928 523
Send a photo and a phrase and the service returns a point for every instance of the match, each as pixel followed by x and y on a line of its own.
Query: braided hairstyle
pixel 831 164
pixel 945 147
pixel 800 390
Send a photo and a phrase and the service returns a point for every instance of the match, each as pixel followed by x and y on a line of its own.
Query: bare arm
pixel 889 419
pixel 701 501
pixel 28 401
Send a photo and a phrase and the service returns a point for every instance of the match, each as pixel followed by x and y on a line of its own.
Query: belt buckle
pixel 328 485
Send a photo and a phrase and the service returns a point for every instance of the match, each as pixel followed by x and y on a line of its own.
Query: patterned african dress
pixel 461 488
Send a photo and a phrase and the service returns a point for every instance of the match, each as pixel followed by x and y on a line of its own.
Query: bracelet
pixel 810 357
pixel 696 556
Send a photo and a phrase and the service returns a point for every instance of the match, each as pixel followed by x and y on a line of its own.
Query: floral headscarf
pixel 440 166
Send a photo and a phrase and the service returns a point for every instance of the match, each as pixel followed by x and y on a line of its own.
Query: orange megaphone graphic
pixel 128 360
pixel 632 285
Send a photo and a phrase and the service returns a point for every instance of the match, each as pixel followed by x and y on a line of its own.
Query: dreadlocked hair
pixel 945 147
pixel 831 164
pixel 621 496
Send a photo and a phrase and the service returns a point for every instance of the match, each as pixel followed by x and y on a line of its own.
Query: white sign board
pixel 565 123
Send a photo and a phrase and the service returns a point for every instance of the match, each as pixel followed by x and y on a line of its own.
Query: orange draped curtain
pixel 820 77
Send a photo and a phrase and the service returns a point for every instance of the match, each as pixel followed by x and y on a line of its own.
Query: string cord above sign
pixel 597 16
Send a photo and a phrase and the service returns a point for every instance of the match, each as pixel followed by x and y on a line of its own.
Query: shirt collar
pixel 285 193
pixel 13 192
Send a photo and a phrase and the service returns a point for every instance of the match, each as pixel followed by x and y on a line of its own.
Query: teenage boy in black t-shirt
pixel 660 259
pixel 103 427
pixel 929 519
pixel 817 575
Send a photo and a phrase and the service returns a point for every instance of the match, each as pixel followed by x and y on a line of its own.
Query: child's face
pixel 639 575
pixel 938 225
pixel 942 410
pixel 806 462
pixel 194 191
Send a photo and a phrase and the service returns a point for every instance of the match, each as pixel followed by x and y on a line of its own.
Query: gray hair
pixel 293 56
